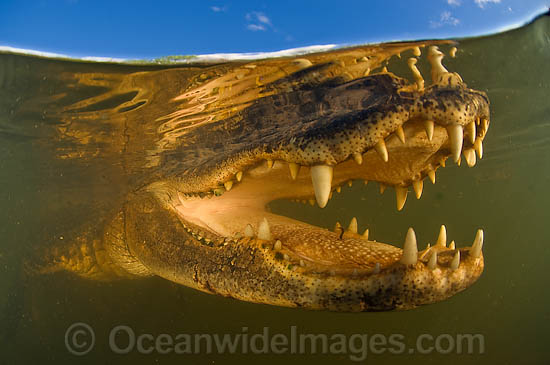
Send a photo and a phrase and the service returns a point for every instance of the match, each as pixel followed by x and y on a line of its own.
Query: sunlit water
pixel 46 192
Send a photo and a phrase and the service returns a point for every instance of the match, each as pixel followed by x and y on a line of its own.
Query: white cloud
pixel 218 9
pixel 454 2
pixel 446 18
pixel 255 27
pixel 482 3
pixel 257 21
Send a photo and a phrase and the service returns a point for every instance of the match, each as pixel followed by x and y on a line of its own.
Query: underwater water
pixel 62 164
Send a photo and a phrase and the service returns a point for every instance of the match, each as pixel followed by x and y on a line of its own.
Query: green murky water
pixel 43 196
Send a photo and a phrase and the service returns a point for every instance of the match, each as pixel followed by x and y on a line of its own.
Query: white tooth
pixel 410 250
pixel 455 132
pixel 239 176
pixel 442 238
pixel 382 150
pixel 431 175
pixel 452 245
pixel 484 125
pixel 358 158
pixel 249 231
pixel 456 261
pixel 311 202
pixel 365 234
pixel 269 163
pixel 263 231
pixel 382 188
pixel 400 133
pixel 416 51
pixel 470 156
pixel 338 228
pixel 417 186
pixel 353 225
pixel 411 62
pixel 432 262
pixel 321 177
pixel 471 131
pixel 376 269
pixel 429 126
pixel 478 146
pixel 400 196
pixel 228 185
pixel 475 251
pixel 339 189
pixel 278 245
pixel 294 170
pixel 350 183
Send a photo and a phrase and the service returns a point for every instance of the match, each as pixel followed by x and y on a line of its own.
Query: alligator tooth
pixel 376 269
pixel 350 183
pixel 269 163
pixel 338 228
pixel 455 261
pixel 475 251
pixel 431 175
pixel 382 188
pixel 400 196
pixel 365 234
pixel 400 133
pixel 442 238
pixel 416 51
pixel 321 177
pixel 311 202
pixel 294 170
pixel 429 125
pixel 471 131
pixel 478 146
pixel 365 182
pixel 339 189
pixel 358 158
pixel 239 176
pixel 452 245
pixel 249 231
pixel 411 62
pixel 455 132
pixel 410 250
pixel 263 231
pixel 442 162
pixel 278 245
pixel 432 262
pixel 228 185
pixel 484 125
pixel 353 225
pixel 470 156
pixel 382 150
pixel 452 52
pixel 417 186
pixel 434 57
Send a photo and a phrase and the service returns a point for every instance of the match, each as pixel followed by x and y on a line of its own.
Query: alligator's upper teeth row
pixel 321 175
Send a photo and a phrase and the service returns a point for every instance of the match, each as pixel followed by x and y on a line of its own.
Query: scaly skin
pixel 198 220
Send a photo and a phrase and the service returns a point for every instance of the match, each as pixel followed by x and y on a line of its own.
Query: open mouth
pixel 399 145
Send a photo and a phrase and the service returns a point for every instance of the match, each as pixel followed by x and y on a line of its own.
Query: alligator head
pixel 243 134
pixel 306 136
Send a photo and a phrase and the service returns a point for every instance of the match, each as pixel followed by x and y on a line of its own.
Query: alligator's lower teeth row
pixel 410 255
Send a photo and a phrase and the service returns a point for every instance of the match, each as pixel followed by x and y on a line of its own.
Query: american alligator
pixel 238 135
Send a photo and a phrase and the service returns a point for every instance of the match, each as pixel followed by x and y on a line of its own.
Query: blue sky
pixel 149 29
